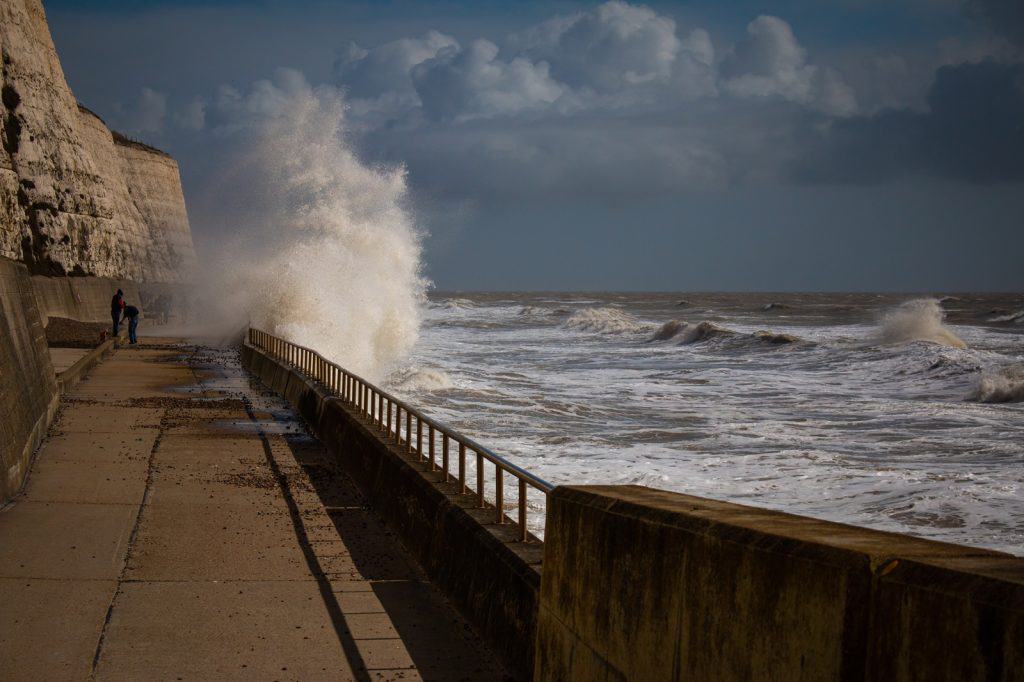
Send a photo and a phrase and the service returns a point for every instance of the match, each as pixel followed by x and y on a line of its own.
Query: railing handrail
pixel 370 400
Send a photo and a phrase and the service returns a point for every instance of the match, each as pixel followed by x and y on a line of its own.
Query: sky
pixel 862 145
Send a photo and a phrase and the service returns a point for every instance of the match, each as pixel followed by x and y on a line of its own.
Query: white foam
pixel 606 320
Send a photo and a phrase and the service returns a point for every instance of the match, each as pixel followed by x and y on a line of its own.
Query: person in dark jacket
pixel 131 313
pixel 116 307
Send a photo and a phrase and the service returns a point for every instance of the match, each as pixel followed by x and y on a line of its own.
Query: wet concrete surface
pixel 180 523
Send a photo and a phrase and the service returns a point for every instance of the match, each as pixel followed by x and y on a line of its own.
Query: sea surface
pixel 897 412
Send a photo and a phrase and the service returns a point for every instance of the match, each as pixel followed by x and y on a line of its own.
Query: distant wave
pixel 668 330
pixel 1002 385
pixel 1015 317
pixel 453 304
pixel 605 321
pixel 707 330
pixel 917 320
pixel 703 332
pixel 776 306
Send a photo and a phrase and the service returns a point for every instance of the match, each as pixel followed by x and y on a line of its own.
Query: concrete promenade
pixel 179 523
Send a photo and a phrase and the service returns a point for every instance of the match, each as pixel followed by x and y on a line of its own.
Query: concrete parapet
pixel 491 578
pixel 28 391
pixel 645 584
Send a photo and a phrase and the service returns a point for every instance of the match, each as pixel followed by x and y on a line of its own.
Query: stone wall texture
pixel 642 584
pixel 76 199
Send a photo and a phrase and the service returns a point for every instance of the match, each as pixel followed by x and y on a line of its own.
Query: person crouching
pixel 131 313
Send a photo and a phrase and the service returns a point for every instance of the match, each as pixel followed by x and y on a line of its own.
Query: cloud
pixel 145 114
pixel 1005 17
pixel 475 83
pixel 972 132
pixel 385 71
pixel 769 62
pixel 192 116
pixel 615 46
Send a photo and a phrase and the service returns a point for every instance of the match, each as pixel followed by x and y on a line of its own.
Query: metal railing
pixel 385 412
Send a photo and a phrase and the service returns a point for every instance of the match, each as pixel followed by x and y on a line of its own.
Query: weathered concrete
pixel 644 584
pixel 28 391
pixel 179 523
pixel 480 565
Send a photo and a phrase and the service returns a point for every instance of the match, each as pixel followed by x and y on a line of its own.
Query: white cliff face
pixel 73 200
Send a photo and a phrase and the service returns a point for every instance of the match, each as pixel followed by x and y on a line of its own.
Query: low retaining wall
pixel 28 390
pixel 643 584
pixel 67 379
pixel 86 299
pixel 493 580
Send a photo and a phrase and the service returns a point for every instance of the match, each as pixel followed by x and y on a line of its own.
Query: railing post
pixel 398 424
pixel 444 455
pixel 480 481
pixel 524 535
pixel 380 410
pixel 419 438
pixel 462 468
pixel 430 447
pixel 499 493
pixel 408 431
pixel 388 430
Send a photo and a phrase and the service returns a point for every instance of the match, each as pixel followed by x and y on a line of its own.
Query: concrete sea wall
pixel 645 584
pixel 493 580
pixel 28 389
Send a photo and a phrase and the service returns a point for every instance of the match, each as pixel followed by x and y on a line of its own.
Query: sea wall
pixel 76 199
pixel 491 578
pixel 644 584
pixel 80 298
pixel 28 389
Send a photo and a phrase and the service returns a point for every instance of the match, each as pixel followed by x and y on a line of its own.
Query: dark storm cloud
pixel 973 131
pixel 1005 17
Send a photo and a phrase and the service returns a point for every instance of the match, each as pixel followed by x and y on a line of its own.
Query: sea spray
pixel 917 320
pixel 325 253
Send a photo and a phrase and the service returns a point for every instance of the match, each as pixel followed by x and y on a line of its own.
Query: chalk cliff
pixel 76 199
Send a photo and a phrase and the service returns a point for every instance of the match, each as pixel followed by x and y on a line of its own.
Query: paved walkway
pixel 179 524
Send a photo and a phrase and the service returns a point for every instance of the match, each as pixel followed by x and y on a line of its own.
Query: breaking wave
pixel 605 321
pixel 917 320
pixel 668 330
pixel 1015 317
pixel 704 332
pixel 419 379
pixel 325 253
pixel 1002 385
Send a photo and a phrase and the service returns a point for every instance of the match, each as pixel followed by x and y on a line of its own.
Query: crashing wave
pixel 605 321
pixel 776 338
pixel 776 306
pixel 668 330
pixel 1003 385
pixel 1014 317
pixel 917 320
pixel 418 380
pixel 704 332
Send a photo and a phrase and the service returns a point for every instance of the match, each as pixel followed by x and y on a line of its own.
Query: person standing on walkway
pixel 131 313
pixel 116 307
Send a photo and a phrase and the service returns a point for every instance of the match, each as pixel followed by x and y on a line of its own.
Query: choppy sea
pixel 896 412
